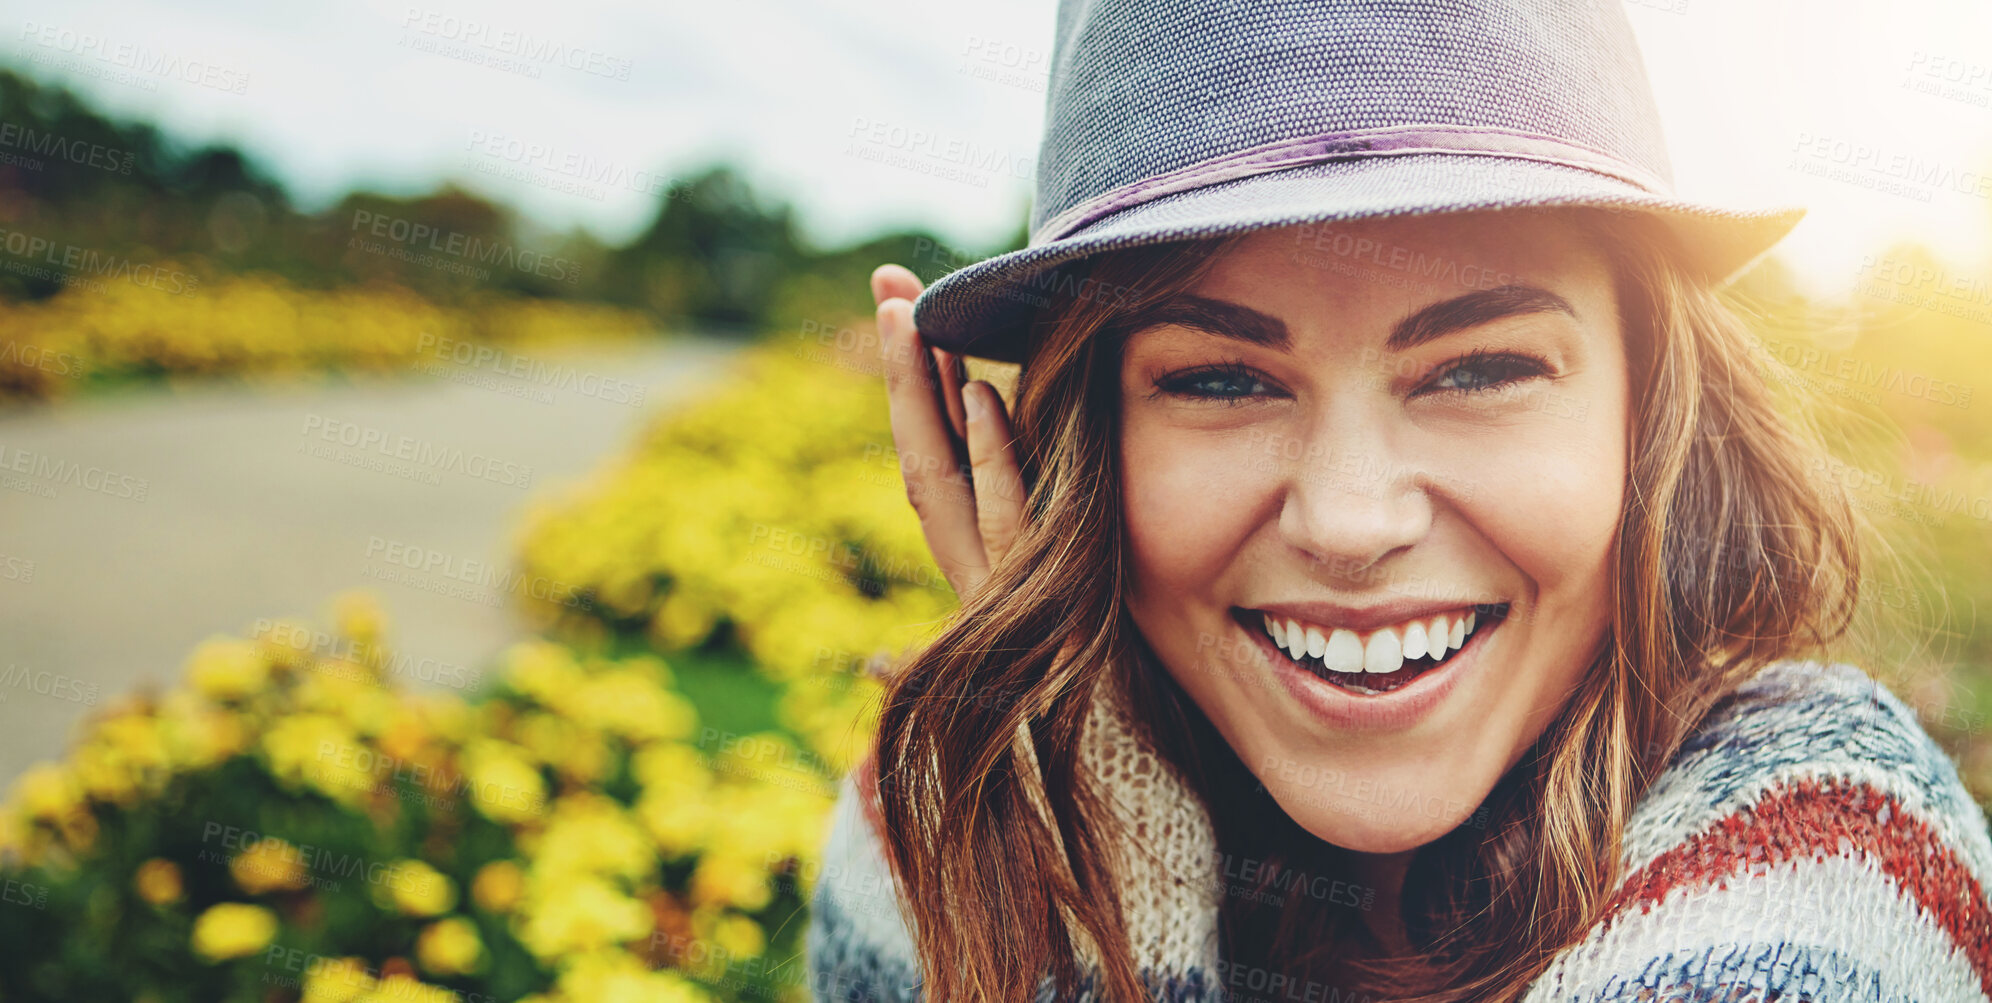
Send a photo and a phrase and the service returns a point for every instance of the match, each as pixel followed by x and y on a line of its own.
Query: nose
pixel 1352 500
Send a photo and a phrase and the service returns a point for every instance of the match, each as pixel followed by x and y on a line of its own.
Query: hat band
pixel 1380 142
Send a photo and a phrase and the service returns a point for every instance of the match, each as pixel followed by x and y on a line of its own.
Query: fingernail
pixel 972 402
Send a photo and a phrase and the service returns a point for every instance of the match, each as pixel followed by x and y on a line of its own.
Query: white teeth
pixel 1414 640
pixel 1384 653
pixel 1344 653
pixel 1386 650
pixel 1438 635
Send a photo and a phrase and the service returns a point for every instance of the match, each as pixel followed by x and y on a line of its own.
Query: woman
pixel 1391 578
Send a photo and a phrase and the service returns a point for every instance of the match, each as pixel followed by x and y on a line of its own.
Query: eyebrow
pixel 1242 323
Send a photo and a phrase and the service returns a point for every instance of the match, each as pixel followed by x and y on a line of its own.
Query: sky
pixel 1876 116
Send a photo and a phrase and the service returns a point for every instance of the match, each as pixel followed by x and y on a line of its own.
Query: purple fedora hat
pixel 1175 119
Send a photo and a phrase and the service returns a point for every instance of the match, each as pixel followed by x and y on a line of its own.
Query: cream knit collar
pixel 1171 887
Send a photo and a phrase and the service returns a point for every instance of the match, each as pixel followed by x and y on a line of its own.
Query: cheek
pixel 1550 496
pixel 1190 500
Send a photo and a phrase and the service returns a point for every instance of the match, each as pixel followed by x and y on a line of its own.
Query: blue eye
pixel 1234 383
pixel 1481 371
pixel 1228 384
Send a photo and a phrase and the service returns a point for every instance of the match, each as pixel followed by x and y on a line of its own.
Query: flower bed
pixel 263 326
pixel 285 824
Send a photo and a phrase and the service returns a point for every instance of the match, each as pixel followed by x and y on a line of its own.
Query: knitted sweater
pixel 1809 842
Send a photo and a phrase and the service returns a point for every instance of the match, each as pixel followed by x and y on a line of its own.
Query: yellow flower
pixel 678 822
pixel 444 714
pixel 579 752
pixel 498 886
pixel 770 759
pixel 157 881
pixel 728 878
pixel 269 865
pixel 503 783
pixel 589 833
pixel 631 703
pixel 406 738
pixel 228 668
pixel 579 913
pixel 767 822
pixel 359 616
pixel 197 734
pixel 671 766
pixel 336 980
pixel 617 977
pixel 233 930
pixel 363 704
pixel 133 739
pixel 449 947
pixel 738 936
pixel 47 791
pixel 267 329
pixel 104 775
pixel 320 751
pixel 402 989
pixel 542 670
pixel 416 889
pixel 682 619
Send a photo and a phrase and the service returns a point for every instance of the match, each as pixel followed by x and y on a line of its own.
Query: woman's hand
pixel 938 421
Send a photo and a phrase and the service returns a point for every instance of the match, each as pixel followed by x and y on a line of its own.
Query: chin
pixel 1357 818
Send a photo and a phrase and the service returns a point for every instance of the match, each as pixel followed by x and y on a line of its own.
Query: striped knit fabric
pixel 1809 842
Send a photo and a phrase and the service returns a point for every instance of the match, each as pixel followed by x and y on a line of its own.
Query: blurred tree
pixel 714 254
pixel 717 254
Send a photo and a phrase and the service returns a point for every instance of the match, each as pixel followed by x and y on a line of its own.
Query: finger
pixel 891 281
pixel 939 494
pixel 999 484
pixel 888 282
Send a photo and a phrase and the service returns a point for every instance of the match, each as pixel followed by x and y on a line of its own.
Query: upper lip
pixel 1364 618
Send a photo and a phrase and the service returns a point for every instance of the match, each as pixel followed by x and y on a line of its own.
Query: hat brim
pixel 983 309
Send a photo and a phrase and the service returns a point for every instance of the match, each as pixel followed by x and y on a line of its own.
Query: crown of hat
pixel 1152 96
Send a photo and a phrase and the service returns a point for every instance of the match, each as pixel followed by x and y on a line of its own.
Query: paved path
pixel 134 526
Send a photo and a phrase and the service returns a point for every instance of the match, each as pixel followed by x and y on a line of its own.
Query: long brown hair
pixel 1730 554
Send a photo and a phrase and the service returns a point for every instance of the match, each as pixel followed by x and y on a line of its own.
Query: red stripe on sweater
pixel 1819 818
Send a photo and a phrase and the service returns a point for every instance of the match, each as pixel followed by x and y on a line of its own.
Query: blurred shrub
pixel 771 513
pixel 285 825
pixel 262 325
pixel 1895 375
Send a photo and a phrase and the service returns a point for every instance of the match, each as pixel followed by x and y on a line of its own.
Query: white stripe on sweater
pixel 1842 911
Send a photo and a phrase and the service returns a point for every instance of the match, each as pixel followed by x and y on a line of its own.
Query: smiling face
pixel 1371 440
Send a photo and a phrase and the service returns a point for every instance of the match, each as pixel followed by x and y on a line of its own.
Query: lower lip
pixel 1391 710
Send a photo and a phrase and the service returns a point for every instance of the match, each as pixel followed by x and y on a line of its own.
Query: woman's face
pixel 1365 433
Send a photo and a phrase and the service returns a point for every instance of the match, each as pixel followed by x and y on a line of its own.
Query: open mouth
pixel 1375 661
